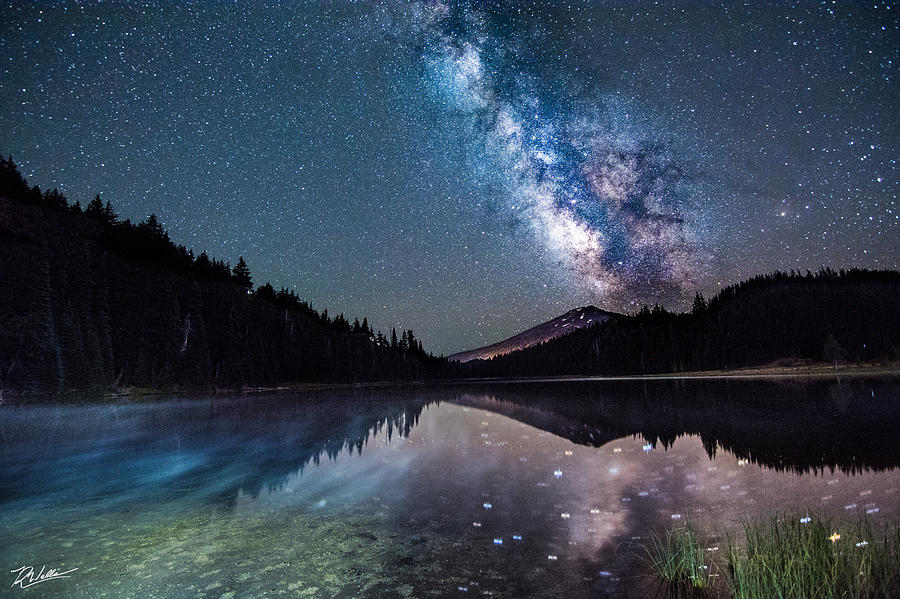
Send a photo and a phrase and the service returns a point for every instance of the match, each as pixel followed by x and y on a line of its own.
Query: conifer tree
pixel 833 351
pixel 109 215
pixel 95 208
pixel 154 228
pixel 404 342
pixel 699 305
pixel 241 273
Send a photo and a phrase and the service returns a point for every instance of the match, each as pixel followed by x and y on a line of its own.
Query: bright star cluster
pixel 468 170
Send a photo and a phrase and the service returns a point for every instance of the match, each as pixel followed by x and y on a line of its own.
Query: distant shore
pixel 806 370
pixel 788 371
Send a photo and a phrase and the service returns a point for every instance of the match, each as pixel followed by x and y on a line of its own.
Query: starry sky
pixel 469 170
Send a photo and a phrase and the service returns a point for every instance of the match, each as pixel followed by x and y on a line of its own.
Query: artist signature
pixel 25 576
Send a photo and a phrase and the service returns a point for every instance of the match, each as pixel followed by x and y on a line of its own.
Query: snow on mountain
pixel 561 325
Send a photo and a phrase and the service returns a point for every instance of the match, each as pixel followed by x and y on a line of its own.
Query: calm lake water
pixel 510 490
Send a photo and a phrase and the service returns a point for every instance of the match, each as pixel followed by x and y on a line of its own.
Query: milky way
pixel 606 204
pixel 471 169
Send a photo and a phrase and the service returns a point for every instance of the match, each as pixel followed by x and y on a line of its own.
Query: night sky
pixel 471 170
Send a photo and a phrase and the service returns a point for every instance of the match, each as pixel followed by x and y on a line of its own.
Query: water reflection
pixel 212 449
pixel 804 427
pixel 512 489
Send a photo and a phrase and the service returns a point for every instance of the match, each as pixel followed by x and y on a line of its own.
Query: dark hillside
pixel 846 316
pixel 91 303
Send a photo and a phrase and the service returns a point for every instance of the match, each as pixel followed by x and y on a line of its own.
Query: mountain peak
pixel 572 320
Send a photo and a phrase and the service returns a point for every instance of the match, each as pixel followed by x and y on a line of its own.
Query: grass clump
pixel 679 561
pixel 810 557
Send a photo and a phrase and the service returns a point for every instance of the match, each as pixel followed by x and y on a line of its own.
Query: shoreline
pixel 755 372
pixel 817 371
pixel 810 371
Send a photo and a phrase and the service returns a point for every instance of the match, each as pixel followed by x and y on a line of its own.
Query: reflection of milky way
pixel 605 203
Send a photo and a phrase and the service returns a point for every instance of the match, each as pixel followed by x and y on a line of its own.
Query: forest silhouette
pixel 92 303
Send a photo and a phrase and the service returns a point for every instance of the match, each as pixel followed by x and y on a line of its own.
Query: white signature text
pixel 25 576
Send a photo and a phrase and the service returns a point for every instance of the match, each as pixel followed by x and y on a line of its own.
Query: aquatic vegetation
pixel 679 560
pixel 787 557
pixel 798 557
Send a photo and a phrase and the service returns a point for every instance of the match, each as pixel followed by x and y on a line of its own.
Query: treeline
pixel 90 302
pixel 845 316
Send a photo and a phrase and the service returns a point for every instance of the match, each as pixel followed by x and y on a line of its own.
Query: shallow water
pixel 513 490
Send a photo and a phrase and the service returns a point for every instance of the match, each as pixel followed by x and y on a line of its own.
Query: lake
pixel 505 489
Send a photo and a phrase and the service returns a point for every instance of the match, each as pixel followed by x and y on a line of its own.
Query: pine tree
pixel 109 215
pixel 95 208
pixel 241 274
pixel 833 351
pixel 404 342
pixel 699 304
pixel 154 228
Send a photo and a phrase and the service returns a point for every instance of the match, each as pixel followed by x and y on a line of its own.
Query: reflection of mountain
pixel 804 427
pixel 212 449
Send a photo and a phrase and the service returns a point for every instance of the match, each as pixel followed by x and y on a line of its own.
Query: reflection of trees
pixel 289 436
pixel 225 445
pixel 803 427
